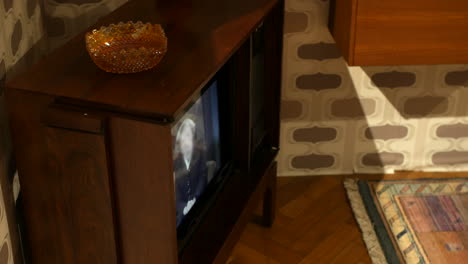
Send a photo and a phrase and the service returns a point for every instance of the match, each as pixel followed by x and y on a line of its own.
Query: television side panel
pixel 273 72
pixel 240 83
pixel 265 82
pixel 145 200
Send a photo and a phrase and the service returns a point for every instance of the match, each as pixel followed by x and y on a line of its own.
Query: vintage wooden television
pixel 104 159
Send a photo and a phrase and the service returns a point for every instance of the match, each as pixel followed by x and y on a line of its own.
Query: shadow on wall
pixel 423 91
pixel 324 117
pixel 433 98
pixel 365 119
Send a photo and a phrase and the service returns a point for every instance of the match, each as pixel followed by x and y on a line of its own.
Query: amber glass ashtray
pixel 127 47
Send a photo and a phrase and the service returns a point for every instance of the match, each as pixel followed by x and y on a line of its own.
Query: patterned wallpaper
pixel 339 120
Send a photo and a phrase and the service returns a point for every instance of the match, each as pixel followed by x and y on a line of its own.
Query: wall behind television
pixel 339 120
pixel 43 25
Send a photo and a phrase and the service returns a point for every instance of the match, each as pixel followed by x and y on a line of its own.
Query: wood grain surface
pixel 201 38
pixel 394 32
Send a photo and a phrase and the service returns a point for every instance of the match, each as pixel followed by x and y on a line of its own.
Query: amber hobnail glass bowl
pixel 127 47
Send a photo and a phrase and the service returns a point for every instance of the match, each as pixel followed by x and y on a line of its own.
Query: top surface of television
pixel 199 44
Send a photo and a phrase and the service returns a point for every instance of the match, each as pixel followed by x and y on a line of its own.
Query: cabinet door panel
pixel 78 204
pixel 397 32
pixel 412 32
pixel 62 164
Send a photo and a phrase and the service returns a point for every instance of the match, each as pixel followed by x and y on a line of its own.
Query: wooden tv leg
pixel 269 201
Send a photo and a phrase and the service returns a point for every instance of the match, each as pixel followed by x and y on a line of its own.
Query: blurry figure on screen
pixel 189 168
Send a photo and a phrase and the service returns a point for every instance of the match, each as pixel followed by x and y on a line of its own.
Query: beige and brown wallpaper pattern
pixel 23 23
pixel 339 120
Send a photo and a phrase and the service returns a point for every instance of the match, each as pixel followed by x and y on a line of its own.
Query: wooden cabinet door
pixel 393 32
pixel 78 204
pixel 66 190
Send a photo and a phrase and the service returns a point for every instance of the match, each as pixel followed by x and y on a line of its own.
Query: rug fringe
pixel 370 237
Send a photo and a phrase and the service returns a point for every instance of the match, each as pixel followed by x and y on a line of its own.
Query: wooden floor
pixel 314 224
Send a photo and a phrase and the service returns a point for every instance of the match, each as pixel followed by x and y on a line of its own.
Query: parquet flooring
pixel 314 224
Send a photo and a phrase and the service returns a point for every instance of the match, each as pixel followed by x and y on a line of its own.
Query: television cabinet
pixel 93 149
